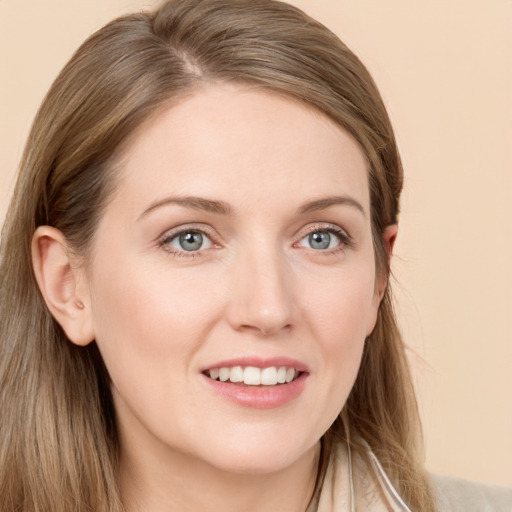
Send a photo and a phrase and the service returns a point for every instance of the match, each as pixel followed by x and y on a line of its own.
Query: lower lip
pixel 258 397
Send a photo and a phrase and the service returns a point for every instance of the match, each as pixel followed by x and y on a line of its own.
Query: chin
pixel 259 459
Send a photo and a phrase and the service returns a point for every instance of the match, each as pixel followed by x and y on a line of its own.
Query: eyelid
pixel 172 233
pixel 346 241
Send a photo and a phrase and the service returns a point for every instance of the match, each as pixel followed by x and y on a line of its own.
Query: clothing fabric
pixel 458 495
pixel 351 486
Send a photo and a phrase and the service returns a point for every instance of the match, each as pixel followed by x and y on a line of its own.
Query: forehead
pixel 231 142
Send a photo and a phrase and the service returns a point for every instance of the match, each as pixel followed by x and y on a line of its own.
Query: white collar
pixel 351 485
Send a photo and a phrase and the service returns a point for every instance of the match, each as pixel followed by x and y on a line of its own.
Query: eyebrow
pixel 223 208
pixel 326 202
pixel 196 203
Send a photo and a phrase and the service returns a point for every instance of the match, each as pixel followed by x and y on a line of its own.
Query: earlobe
pixel 62 284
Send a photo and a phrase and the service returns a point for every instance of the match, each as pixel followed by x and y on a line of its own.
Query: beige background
pixel 444 68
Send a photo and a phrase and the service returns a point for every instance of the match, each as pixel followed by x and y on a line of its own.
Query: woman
pixel 195 307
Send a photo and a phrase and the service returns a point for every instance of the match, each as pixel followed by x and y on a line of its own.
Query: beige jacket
pixel 350 487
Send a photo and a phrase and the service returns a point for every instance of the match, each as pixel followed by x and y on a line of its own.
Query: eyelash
pixel 345 240
pixel 168 237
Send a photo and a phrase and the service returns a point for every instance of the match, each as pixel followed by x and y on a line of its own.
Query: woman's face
pixel 238 244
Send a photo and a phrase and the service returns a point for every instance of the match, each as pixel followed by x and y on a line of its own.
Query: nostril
pixel 264 330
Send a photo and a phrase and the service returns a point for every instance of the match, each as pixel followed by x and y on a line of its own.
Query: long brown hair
pixel 58 442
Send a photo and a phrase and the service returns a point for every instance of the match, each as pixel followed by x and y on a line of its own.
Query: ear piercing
pixel 79 304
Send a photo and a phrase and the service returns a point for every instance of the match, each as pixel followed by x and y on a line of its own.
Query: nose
pixel 261 300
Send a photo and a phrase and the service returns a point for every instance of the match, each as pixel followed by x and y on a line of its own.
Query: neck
pixel 178 482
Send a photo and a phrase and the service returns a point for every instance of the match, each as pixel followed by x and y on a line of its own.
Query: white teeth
pixel 252 376
pixel 269 376
pixel 281 375
pixel 236 374
pixel 223 374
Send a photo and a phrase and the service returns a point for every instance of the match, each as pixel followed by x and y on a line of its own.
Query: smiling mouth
pixel 253 376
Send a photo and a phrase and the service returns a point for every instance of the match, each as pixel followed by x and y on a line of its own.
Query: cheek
pixel 145 318
pixel 339 317
pixel 342 305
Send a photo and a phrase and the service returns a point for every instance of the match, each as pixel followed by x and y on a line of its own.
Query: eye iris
pixel 191 241
pixel 320 240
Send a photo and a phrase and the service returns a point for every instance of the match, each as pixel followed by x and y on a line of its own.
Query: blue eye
pixel 321 240
pixel 189 241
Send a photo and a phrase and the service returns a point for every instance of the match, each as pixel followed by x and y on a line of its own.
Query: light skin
pixel 276 197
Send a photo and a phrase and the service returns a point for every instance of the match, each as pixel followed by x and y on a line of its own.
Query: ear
pixel 388 241
pixel 381 279
pixel 63 284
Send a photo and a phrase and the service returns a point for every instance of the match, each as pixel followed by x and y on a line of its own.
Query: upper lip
pixel 258 362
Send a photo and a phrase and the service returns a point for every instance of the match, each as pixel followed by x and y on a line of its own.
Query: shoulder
pixel 458 495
